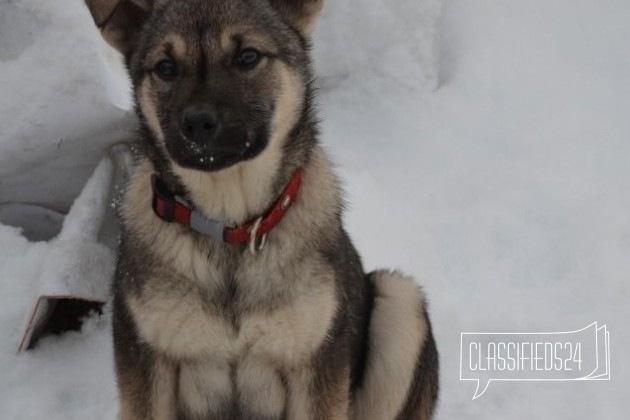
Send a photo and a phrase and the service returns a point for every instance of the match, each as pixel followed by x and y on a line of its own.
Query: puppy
pixel 238 293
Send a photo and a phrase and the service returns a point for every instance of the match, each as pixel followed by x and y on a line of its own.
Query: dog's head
pixel 215 81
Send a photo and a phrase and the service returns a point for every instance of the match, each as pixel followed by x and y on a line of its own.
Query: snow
pixel 51 54
pixel 395 41
pixel 504 191
pixel 76 264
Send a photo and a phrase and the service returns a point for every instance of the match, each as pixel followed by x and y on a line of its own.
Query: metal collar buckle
pixel 256 244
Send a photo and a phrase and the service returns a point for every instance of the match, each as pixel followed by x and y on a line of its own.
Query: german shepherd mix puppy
pixel 238 293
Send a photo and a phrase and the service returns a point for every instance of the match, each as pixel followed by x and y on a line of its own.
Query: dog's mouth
pixel 231 146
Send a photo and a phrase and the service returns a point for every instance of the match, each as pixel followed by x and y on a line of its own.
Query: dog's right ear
pixel 120 20
pixel 300 13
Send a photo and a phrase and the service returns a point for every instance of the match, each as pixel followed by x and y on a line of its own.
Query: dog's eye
pixel 248 58
pixel 166 70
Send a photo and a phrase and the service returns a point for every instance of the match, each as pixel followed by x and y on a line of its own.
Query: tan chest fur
pixel 282 305
pixel 272 320
pixel 279 314
pixel 227 323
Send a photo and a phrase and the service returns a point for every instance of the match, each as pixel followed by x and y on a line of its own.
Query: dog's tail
pixel 400 379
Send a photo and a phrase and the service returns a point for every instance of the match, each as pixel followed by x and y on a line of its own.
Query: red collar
pixel 173 208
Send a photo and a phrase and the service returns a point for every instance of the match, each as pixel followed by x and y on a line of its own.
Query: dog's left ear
pixel 301 13
pixel 120 20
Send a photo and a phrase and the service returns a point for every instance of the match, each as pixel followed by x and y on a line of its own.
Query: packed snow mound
pixel 60 106
pixel 63 102
pixel 74 264
pixel 77 263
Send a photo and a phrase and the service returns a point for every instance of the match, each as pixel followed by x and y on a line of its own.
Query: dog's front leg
pixel 146 381
pixel 164 390
pixel 148 395
pixel 317 394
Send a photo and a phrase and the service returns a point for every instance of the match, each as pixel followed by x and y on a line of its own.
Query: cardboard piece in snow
pixel 56 315
pixel 78 267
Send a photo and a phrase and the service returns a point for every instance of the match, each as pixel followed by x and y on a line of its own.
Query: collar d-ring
pixel 256 243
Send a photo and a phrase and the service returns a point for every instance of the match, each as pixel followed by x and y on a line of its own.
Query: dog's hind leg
pixel 400 380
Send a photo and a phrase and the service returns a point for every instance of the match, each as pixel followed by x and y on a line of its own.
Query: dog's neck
pixel 244 191
pixel 317 207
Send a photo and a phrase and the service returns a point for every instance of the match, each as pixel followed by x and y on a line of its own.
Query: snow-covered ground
pixel 505 192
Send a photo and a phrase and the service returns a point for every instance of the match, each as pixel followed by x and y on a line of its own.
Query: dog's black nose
pixel 199 125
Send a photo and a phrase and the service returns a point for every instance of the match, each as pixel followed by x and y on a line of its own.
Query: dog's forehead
pixel 211 16
pixel 212 23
